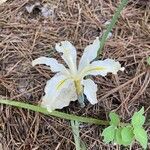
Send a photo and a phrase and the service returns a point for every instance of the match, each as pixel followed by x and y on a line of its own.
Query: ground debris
pixel 2 1
pixel 25 36
pixel 43 9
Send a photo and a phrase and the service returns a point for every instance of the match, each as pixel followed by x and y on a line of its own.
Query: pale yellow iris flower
pixel 69 84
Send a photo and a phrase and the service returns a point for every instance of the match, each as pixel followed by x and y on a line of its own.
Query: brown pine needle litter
pixel 26 35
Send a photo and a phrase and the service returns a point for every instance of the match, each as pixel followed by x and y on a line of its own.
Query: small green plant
pixel 126 133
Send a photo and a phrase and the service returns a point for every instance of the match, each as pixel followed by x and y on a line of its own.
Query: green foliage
pixel 118 136
pixel 112 24
pixel 125 134
pixel 109 134
pixel 114 119
pixel 53 113
pixel 75 129
pixel 138 119
pixel 148 60
pixel 141 136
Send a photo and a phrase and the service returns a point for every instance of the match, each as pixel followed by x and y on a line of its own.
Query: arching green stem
pixel 111 25
pixel 54 113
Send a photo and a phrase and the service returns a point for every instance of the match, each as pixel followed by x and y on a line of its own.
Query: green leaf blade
pixel 53 113
pixel 114 119
pixel 138 119
pixel 127 135
pixel 109 134
pixel 118 137
pixel 141 136
pixel 111 25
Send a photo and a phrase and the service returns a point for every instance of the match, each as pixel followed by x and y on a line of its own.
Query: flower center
pixel 79 87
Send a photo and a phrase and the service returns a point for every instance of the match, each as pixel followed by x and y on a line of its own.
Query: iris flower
pixel 69 83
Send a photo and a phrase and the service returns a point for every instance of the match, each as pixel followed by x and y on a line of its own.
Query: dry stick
pixel 121 86
pixel 143 87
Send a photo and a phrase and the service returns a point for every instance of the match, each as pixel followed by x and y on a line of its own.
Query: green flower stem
pixel 54 113
pixel 76 134
pixel 81 100
pixel 111 25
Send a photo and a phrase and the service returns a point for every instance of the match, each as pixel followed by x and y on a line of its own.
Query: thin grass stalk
pixel 111 25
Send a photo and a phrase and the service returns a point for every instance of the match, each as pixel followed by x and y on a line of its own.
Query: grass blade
pixel 54 113
pixel 111 25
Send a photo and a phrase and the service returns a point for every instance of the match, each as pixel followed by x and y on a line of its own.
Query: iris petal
pixel 53 63
pixel 59 92
pixel 102 67
pixel 90 89
pixel 69 54
pixel 89 54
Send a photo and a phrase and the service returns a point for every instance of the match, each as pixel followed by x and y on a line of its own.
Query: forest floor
pixel 26 34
